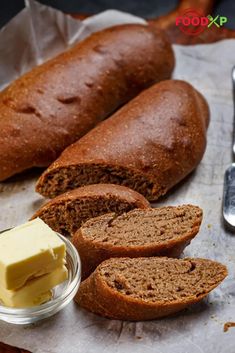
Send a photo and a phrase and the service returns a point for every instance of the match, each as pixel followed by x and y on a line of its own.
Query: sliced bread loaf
pixel 56 103
pixel 66 213
pixel 148 288
pixel 149 145
pixel 161 231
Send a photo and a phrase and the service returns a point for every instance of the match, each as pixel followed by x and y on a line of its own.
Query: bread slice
pixel 148 288
pixel 161 231
pixel 149 145
pixel 66 213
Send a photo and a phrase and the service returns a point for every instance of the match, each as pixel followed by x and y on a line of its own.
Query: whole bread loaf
pixel 66 213
pixel 56 103
pixel 150 144
pixel 148 288
pixel 163 231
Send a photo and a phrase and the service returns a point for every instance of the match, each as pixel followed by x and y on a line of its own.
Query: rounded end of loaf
pixel 149 145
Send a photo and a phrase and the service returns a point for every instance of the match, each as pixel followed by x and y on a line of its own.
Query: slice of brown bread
pixel 66 213
pixel 161 231
pixel 149 145
pixel 148 288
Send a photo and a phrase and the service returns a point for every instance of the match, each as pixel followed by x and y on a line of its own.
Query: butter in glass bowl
pixel 32 263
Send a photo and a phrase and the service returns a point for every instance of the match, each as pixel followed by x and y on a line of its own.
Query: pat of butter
pixel 35 292
pixel 29 251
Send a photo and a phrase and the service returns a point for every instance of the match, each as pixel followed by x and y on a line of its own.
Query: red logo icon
pixel 192 22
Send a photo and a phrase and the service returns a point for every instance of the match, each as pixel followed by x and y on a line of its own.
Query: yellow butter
pixel 35 292
pixel 28 251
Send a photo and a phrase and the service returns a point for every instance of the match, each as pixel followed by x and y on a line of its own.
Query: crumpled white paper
pixel 73 330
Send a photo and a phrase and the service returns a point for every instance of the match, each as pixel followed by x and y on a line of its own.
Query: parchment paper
pixel 197 330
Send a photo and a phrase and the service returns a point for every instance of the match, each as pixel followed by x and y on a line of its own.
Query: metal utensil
pixel 229 176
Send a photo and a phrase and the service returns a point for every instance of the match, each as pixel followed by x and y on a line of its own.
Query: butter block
pixel 35 292
pixel 29 251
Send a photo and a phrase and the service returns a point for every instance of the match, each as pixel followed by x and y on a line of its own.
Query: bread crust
pixel 158 138
pixel 109 197
pixel 92 253
pixel 56 103
pixel 96 296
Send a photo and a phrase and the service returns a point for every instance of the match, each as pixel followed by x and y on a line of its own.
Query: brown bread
pixel 163 231
pixel 66 213
pixel 150 144
pixel 56 103
pixel 148 288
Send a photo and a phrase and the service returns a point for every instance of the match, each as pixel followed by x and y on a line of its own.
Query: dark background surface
pixel 144 8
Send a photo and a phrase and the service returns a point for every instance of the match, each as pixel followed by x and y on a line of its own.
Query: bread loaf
pixel 163 231
pixel 150 144
pixel 66 213
pixel 57 102
pixel 148 288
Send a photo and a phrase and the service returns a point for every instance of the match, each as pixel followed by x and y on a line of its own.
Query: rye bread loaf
pixel 163 231
pixel 148 288
pixel 150 144
pixel 57 102
pixel 66 213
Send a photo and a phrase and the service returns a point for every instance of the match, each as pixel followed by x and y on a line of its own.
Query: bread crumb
pixel 209 226
pixel 227 326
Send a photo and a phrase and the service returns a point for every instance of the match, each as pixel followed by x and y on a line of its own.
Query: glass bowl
pixel 62 294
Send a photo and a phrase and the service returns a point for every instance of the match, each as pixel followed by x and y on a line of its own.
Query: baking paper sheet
pixel 31 39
